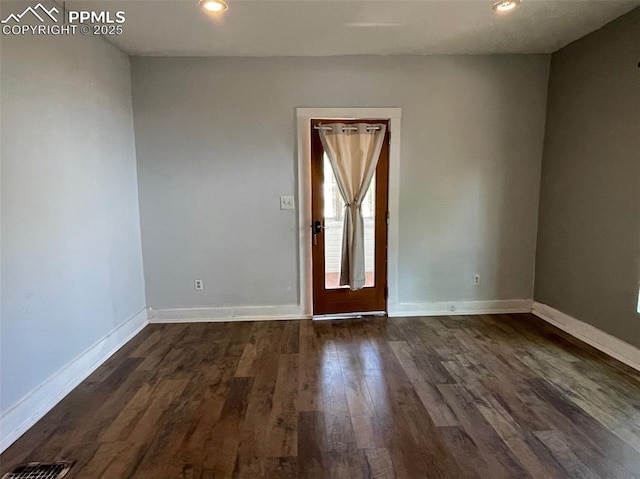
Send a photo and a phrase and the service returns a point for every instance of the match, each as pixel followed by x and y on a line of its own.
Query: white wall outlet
pixel 198 285
pixel 287 203
pixel 476 279
pixel 452 308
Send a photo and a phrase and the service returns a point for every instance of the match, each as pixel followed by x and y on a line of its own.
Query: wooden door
pixel 328 208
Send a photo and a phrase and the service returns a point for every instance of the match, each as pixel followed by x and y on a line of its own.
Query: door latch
pixel 316 229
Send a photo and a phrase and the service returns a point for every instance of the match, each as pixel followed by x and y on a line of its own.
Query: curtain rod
pixel 350 128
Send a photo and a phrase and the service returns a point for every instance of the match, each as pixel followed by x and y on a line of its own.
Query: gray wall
pixel 216 139
pixel 71 249
pixel 588 261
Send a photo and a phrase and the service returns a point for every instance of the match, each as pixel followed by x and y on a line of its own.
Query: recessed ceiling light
pixel 214 5
pixel 504 6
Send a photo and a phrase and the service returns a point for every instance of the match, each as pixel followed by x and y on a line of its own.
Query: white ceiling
pixel 353 27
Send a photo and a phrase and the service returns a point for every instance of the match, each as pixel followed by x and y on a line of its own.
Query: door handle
pixel 316 229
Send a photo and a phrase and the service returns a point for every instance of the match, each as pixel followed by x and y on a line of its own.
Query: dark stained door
pixel 328 209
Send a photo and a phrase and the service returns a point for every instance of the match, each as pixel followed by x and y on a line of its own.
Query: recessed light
pixel 215 6
pixel 504 6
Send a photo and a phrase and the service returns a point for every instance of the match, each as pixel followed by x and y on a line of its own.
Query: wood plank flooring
pixel 500 396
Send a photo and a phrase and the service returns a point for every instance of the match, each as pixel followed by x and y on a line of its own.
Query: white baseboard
pixel 451 308
pixel 227 314
pixel 30 409
pixel 614 347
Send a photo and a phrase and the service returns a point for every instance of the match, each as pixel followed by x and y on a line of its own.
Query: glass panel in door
pixel 334 228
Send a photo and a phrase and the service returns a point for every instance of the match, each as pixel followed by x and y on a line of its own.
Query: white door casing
pixel 304 117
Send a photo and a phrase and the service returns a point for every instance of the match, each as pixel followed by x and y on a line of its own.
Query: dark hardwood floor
pixel 501 396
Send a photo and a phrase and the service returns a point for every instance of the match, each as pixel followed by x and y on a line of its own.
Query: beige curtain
pixel 353 150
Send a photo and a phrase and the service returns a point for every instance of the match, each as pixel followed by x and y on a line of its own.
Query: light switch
pixel 287 203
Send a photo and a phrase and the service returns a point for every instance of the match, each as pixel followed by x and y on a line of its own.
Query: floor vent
pixel 40 470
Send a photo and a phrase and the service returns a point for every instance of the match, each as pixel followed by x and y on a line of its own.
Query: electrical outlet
pixel 476 279
pixel 198 285
pixel 452 308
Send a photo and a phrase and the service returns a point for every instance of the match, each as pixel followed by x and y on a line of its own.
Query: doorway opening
pixel 304 116
pixel 333 295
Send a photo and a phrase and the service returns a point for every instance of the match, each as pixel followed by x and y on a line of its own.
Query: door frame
pixel 304 117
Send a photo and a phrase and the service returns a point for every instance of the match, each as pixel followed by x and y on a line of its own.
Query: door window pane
pixel 334 223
